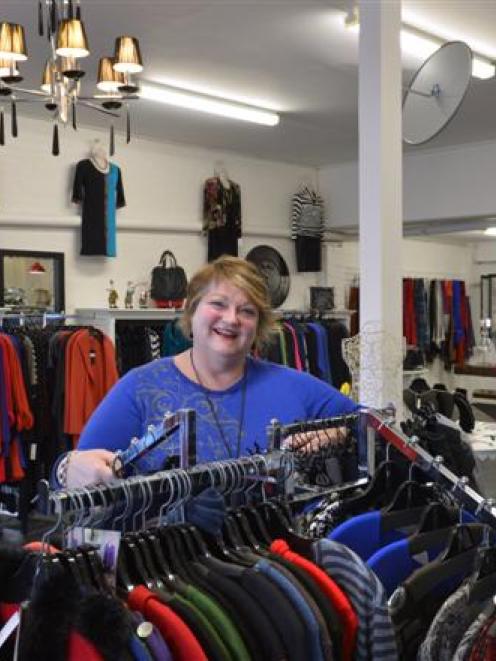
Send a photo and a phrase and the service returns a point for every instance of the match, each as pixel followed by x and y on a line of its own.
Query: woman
pixel 235 396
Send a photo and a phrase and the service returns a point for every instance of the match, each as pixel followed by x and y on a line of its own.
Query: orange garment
pixel 19 415
pixel 90 372
pixel 17 398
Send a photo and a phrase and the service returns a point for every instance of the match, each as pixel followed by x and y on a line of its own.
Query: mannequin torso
pixel 99 158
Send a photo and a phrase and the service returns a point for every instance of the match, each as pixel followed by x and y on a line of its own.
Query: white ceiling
pixel 292 56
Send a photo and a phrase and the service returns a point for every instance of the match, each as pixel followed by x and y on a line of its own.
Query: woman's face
pixel 225 321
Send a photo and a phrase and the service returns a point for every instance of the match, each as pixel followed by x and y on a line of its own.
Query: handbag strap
pixel 168 255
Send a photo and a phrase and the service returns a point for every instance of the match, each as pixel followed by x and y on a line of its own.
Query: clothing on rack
pixel 430 546
pixel 311 344
pixel 221 216
pixel 437 318
pixel 255 591
pixel 51 380
pixel 140 341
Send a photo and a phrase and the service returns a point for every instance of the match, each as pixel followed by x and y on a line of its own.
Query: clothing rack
pixel 44 317
pixel 277 432
pixel 313 314
pixel 169 488
pixel 382 425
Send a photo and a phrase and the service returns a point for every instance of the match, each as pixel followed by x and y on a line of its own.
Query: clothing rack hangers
pixel 380 424
pixel 44 317
pixel 172 487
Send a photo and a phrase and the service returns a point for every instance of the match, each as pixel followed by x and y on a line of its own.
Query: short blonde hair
pixel 243 275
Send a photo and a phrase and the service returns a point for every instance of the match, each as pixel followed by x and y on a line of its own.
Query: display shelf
pixel 104 318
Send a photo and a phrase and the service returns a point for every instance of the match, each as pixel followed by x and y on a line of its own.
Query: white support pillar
pixel 380 172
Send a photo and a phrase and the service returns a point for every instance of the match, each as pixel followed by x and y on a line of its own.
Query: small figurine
pixel 113 295
pixel 143 298
pixel 128 299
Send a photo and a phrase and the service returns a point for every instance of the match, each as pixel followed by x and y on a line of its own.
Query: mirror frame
pixel 58 273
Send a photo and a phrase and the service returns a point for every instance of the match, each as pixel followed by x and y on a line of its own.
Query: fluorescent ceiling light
pixel 490 231
pixel 422 45
pixel 209 104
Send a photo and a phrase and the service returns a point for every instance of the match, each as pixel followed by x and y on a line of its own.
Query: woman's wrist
pixel 63 468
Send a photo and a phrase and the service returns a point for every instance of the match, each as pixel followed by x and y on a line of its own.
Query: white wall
pixel 163 188
pixel 437 183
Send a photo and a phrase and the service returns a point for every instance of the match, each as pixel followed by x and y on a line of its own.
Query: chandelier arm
pixel 94 106
pixel 34 92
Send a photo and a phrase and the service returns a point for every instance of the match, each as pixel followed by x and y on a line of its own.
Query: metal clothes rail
pixel 167 488
pixel 276 432
pixel 457 486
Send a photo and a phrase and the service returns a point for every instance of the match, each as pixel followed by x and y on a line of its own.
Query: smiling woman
pixel 235 395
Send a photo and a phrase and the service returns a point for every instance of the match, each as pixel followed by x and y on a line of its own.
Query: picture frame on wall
pixel 321 299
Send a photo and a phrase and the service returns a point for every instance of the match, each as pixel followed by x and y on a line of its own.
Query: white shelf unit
pixel 104 318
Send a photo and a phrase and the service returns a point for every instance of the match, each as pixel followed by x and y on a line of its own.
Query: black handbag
pixel 169 280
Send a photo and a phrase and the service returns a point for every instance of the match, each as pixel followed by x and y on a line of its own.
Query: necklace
pixel 214 412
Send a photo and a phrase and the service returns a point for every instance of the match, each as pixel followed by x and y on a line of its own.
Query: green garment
pixel 224 626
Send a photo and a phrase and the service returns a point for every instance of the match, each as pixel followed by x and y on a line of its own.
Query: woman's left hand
pixel 312 441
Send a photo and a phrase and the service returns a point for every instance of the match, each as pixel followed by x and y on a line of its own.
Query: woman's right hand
pixel 88 467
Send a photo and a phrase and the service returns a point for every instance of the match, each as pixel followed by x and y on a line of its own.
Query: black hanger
pixel 435 516
pixel 455 563
pixel 464 537
pixel 197 539
pixel 130 566
pixel 383 485
pixel 230 532
pixel 245 529
pixel 407 505
pixel 277 527
pixel 410 494
pixel 88 554
pixel 257 524
pixel 152 540
pixel 76 571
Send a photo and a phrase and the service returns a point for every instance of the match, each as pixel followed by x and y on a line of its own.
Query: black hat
pixel 275 271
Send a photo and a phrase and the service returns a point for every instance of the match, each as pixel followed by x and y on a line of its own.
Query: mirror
pixel 32 281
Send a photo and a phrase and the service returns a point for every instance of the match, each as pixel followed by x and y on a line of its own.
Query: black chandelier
pixel 60 91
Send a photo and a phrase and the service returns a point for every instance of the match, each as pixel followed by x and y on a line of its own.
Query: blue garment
pixel 375 635
pixel 394 563
pixel 4 417
pixel 111 186
pixel 322 352
pixel 458 330
pixel 138 649
pixel 155 643
pixel 311 625
pixel 421 313
pixel 207 511
pixel 145 394
pixel 363 534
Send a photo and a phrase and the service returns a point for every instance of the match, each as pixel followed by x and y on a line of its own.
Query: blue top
pixel 145 394
pixel 363 534
pixel 298 601
pixel 394 563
